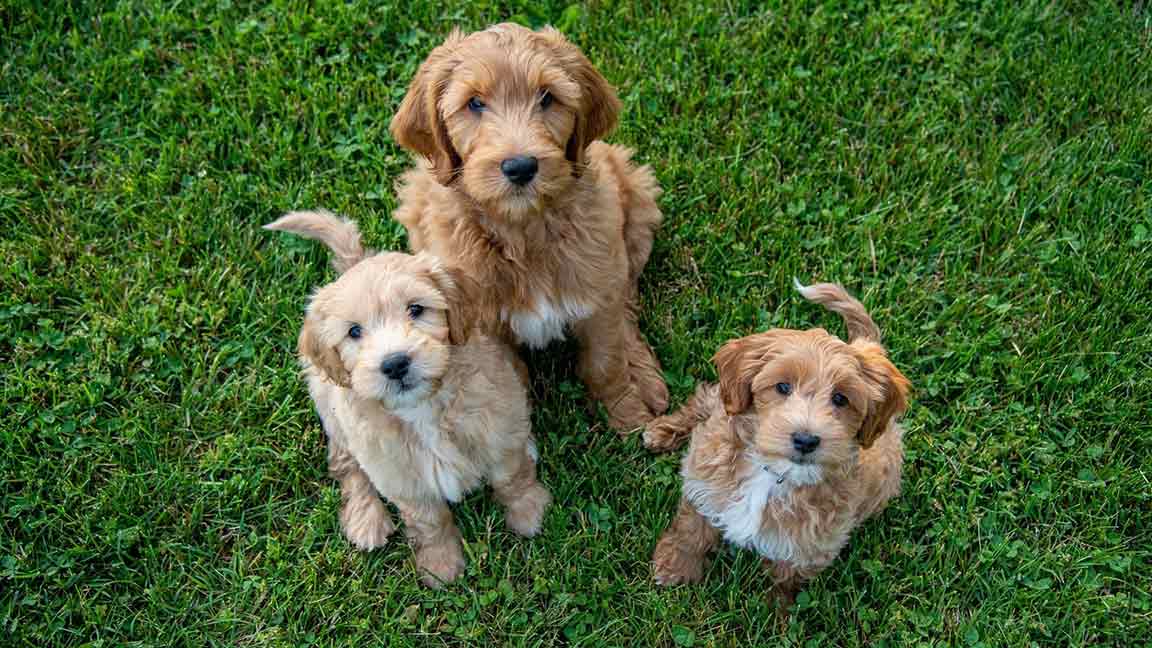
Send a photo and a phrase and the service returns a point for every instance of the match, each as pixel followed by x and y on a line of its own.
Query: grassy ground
pixel 978 174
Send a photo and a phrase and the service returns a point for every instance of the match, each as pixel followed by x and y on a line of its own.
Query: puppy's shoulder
pixel 715 448
pixel 631 179
pixel 420 197
pixel 490 393
pixel 492 359
pixel 614 156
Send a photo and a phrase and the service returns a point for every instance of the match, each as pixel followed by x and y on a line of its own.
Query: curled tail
pixel 836 299
pixel 339 234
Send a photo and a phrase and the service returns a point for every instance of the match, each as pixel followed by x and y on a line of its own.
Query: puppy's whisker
pixel 780 477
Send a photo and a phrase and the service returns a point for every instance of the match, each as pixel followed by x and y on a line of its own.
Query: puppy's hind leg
pixel 524 498
pixel 671 431
pixel 638 193
pixel 643 365
pixel 604 368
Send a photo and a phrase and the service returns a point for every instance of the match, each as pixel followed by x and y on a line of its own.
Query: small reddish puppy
pixel 517 191
pixel 795 447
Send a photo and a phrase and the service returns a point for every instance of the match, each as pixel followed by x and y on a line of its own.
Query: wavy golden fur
pixel 795 446
pixel 456 415
pixel 560 251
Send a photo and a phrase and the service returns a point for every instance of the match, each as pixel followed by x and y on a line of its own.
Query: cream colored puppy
pixel 418 408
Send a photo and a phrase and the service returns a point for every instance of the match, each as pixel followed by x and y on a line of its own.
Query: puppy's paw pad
pixel 368 525
pixel 440 565
pixel 526 515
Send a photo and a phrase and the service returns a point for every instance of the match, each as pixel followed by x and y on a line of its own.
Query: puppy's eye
pixel 545 99
pixel 783 388
pixel 355 332
pixel 415 311
pixel 475 105
pixel 839 400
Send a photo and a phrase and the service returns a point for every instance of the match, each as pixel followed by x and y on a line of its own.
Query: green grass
pixel 978 172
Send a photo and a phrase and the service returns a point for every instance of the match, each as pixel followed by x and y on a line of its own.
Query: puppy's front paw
pixel 671 566
pixel 644 373
pixel 627 412
pixel 525 515
pixel 440 564
pixel 366 523
pixel 649 383
pixel 662 434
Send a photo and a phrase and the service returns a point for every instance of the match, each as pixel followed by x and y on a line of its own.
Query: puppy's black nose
pixel 396 366
pixel 805 442
pixel 520 170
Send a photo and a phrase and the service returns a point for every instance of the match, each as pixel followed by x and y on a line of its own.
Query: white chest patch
pixel 546 321
pixel 452 473
pixel 740 516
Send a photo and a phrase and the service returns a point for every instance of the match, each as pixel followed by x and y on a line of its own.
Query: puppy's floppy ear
pixel 892 388
pixel 324 357
pixel 464 311
pixel 418 125
pixel 737 364
pixel 599 106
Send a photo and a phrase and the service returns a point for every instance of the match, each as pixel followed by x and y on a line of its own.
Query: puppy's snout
pixel 520 169
pixel 395 366
pixel 804 442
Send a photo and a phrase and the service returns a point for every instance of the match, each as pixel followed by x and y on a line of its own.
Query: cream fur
pixel 458 418
pixel 446 445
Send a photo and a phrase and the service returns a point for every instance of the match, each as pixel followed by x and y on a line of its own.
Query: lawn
pixel 979 173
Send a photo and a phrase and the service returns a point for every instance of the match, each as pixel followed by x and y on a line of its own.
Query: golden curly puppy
pixel 795 447
pixel 518 193
pixel 416 406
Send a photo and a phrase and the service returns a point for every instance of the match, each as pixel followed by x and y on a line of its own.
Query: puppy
pixel 417 407
pixel 795 447
pixel 517 191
